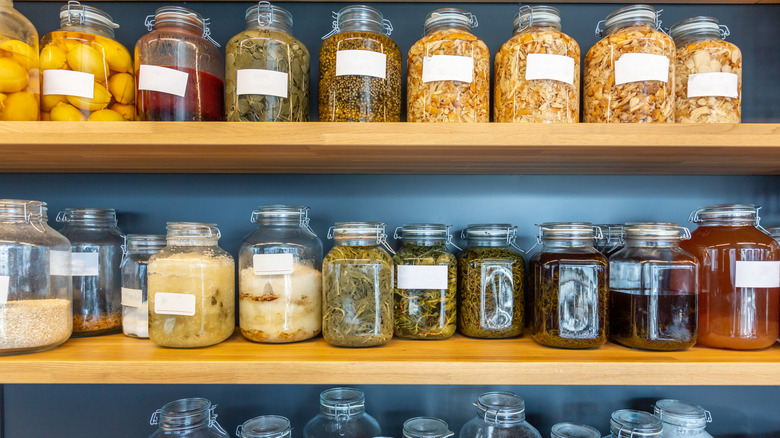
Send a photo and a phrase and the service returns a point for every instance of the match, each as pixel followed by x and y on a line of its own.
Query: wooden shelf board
pixel 705 2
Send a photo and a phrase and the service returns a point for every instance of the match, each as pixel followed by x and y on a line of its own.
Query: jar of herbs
pixel 265 426
pixel 138 249
pixel 426 427
pixel 682 419
pixel 19 80
pixel 628 423
pixel 342 415
pixel 499 415
pixel 187 418
pixel 573 430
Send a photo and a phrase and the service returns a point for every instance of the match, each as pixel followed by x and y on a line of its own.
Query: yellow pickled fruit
pixel 13 77
pixel 3 97
pixel 127 111
pixel 106 115
pixel 122 87
pixel 53 58
pixel 86 59
pixel 21 52
pixel 65 113
pixel 20 106
pixel 100 99
pixel 117 56
pixel 49 101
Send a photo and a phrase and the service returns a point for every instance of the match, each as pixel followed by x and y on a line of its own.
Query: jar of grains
pixel 138 249
pixel 629 74
pixel 449 71
pixel 573 430
pixel 708 73
pixel 538 71
pixel 360 69
pixel 19 80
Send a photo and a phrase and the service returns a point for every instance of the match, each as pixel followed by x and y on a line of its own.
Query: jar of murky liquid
pixel 19 77
pixel 682 419
pixel 139 248
pixel 342 415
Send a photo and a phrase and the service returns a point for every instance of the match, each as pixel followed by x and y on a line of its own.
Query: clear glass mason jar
pixel 499 415
pixel 138 249
pixel 682 419
pixel 490 286
pixel 653 297
pixel 265 426
pixel 96 245
pixel 188 417
pixel 180 68
pixel 708 73
pixel 342 415
pixel 739 278
pixel 569 287
pixel 611 240
pixel 448 71
pixel 537 71
pixel 191 288
pixel 86 74
pixel 35 285
pixel 573 430
pixel 426 427
pixel 360 69
pixel 20 83
pixel 280 277
pixel 628 423
pixel 426 282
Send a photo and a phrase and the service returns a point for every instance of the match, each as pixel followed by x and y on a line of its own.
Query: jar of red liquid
pixel 739 300
pixel 180 69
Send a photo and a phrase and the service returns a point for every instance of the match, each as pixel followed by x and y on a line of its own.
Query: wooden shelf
pixel 204 147
pixel 701 2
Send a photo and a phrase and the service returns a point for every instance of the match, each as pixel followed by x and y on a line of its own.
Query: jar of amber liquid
pixel 739 300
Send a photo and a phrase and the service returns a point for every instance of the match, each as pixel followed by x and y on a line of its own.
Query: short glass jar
pixel 573 430
pixel 265 426
pixel 628 423
pixel 188 418
pixel 342 415
pixel 138 249
pixel 20 82
pixel 426 427
pixel 499 415
pixel 682 419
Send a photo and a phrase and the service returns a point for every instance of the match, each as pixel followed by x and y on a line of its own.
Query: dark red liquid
pixel 203 100
pixel 664 321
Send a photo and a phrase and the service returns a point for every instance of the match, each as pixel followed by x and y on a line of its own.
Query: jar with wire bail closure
pixel 611 239
pixel 265 426
pixel 138 249
pixel 426 427
pixel 682 419
pixel 188 418
pixel 573 430
pixel 20 85
pixel 628 423
pixel 342 415
pixel 499 415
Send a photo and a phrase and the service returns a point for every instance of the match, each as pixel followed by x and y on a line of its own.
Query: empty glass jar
pixel 573 430
pixel 139 248
pixel 342 415
pixel 426 427
pixel 499 415
pixel 265 426
pixel 188 418
pixel 627 423
pixel 20 82
pixel 682 419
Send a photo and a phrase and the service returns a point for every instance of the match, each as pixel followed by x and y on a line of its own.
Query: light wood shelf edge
pixel 706 2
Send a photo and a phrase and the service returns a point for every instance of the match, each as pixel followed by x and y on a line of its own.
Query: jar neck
pixel 540 27
pixel 360 18
pixel 573 243
pixel 273 27
pixel 356 241
pixel 188 28
pixel 696 37
pixel 93 30
pixel 424 241
pixel 502 419
pixel 488 243
pixel 192 241
pixel 285 222
pixel 728 222
pixel 447 25
pixel 197 420
pixel 267 17
pixel 652 243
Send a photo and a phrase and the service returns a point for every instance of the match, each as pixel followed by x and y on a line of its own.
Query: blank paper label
pixel 361 63
pixel 84 264
pixel 554 67
pixel 448 68
pixel 68 83
pixel 162 79
pixel 264 82
pixel 272 264
pixel 757 274
pixel 174 304
pixel 132 297
pixel 712 84
pixel 59 262
pixel 4 282
pixel 422 277
pixel 636 67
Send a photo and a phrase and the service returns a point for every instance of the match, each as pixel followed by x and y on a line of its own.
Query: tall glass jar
pixel 139 248
pixel 191 288
pixel 188 418
pixel 569 287
pixel 628 423
pixel 682 419
pixel 611 240
pixel 360 69
pixel 267 69
pixel 449 71
pixel 180 68
pixel 19 80
pixel 490 286
pixel 265 426
pixel 35 285
pixel 426 282
pixel 653 297
pixel 342 415
pixel 280 277
pixel 86 74
pixel 357 286
pixel 708 73
pixel 499 415
pixel 426 427
pixel 629 74
pixel 96 245
pixel 739 278
pixel 573 430
pixel 538 71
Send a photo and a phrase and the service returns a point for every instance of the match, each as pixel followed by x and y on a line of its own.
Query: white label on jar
pixel 4 283
pixel 448 68
pixel 132 297
pixel 84 264
pixel 68 83
pixel 554 67
pixel 59 262
pixel 361 63
pixel 264 82
pixel 162 79
pixel 272 264
pixel 637 67
pixel 717 84
pixel 422 277
pixel 757 274
pixel 174 304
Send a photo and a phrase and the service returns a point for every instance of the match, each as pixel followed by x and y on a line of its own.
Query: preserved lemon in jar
pixel 19 84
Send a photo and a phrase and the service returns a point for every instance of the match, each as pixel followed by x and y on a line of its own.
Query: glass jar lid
pixel 88 216
pixel 357 230
pixel 700 25
pixel 569 231
pixel 529 16
pixel 426 427
pixel 359 18
pixel 628 423
pixel 492 232
pixel 265 426
pixel 144 242
pixel 726 213
pixel 423 231
pixel 573 430
pixel 186 230
pixel 76 14
pixel 184 414
pixel 630 15
pixel 24 210
pixel 681 413
pixel 342 401
pixel 655 231
pixel 500 407
pixel 281 214
pixel 450 17
pixel 265 14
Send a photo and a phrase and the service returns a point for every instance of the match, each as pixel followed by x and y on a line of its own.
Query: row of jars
pixel 636 73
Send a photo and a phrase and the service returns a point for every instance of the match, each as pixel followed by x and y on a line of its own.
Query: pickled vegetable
pixel 19 82
pixel 710 56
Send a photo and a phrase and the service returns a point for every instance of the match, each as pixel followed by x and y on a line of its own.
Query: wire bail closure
pixel 73 13
pixel 724 31
pixel 335 24
pixel 656 24
pixel 207 32
pixel 264 13
pixel 149 22
pixel 521 11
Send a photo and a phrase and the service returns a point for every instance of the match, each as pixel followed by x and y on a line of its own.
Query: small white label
pixel 84 264
pixel 713 84
pixel 162 79
pixel 422 277
pixel 757 274
pixel 637 67
pixel 59 262
pixel 132 297
pixel 264 82
pixel 448 68
pixel 4 283
pixel 174 304
pixel 361 63
pixel 554 67
pixel 272 264
pixel 68 83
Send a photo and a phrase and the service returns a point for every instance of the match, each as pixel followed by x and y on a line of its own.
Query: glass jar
pixel 139 248
pixel 357 286
pixel 538 71
pixel 739 278
pixel 191 288
pixel 611 240
pixel 180 68
pixel 342 415
pixel 653 297
pixel 280 277
pixel 682 419
pixel 19 82
pixel 449 71
pixel 569 287
pixel 629 74
pixel 87 75
pixel 265 426
pixel 490 287
pixel 708 72
pixel 627 423
pixel 499 415
pixel 35 286
pixel 360 69
pixel 426 282
pixel 573 430
pixel 96 245
pixel 188 417
pixel 267 69
pixel 426 427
